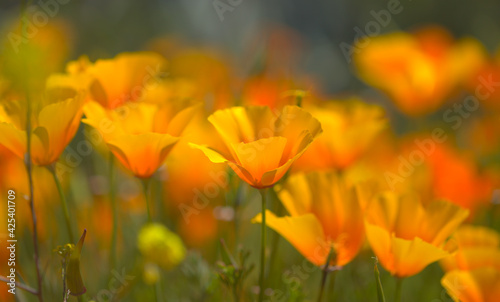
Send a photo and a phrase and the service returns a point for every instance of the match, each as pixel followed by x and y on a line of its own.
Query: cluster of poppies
pixel 341 176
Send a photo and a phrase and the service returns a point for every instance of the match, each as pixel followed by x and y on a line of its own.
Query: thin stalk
pixel 145 186
pixel 325 275
pixel 158 292
pixel 399 285
pixel 263 245
pixel 380 289
pixel 64 279
pixel 112 198
pixel 28 163
pixel 64 204
pixel 275 241
pixel 21 286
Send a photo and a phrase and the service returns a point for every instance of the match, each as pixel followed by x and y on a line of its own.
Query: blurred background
pixel 225 43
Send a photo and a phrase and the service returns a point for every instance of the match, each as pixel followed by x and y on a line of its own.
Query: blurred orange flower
pixel 349 129
pixel 324 214
pixel 477 247
pixel 125 78
pixel 418 71
pixel 50 135
pixel 139 134
pixel 473 273
pixel 405 235
pixel 479 285
pixel 451 170
pixel 261 146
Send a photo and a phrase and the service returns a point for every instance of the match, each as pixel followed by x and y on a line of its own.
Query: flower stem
pixel 397 293
pixel 325 275
pixel 112 198
pixel 380 289
pixel 64 204
pixel 28 163
pixel 263 193
pixel 145 185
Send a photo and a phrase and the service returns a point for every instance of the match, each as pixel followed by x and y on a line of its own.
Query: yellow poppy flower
pixel 349 129
pixel 140 135
pixel 54 126
pixel 324 214
pixel 405 235
pixel 261 146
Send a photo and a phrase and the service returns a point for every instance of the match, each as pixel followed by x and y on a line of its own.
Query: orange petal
pixel 143 153
pixel 260 156
pixel 13 139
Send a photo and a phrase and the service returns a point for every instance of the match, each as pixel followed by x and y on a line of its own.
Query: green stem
pixel 325 275
pixel 112 197
pixel 158 292
pixel 52 169
pixel 36 253
pixel 145 186
pixel 263 246
pixel 274 245
pixel 331 287
pixel 399 285
pixel 380 289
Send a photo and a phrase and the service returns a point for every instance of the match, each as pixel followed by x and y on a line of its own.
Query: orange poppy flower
pixel 261 146
pixel 405 235
pixel 477 247
pixel 122 79
pixel 478 285
pixel 418 71
pixel 50 135
pixel 349 129
pixel 324 214
pixel 140 135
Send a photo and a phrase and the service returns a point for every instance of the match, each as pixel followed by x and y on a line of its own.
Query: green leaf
pixel 74 277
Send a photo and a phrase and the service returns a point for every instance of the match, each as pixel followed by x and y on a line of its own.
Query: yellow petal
pixel 303 232
pixel 182 119
pixel 54 134
pixel 295 124
pixel 295 195
pixel 472 258
pixel 212 155
pixel 401 257
pixel 476 236
pixel 412 256
pixel 243 124
pixel 442 218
